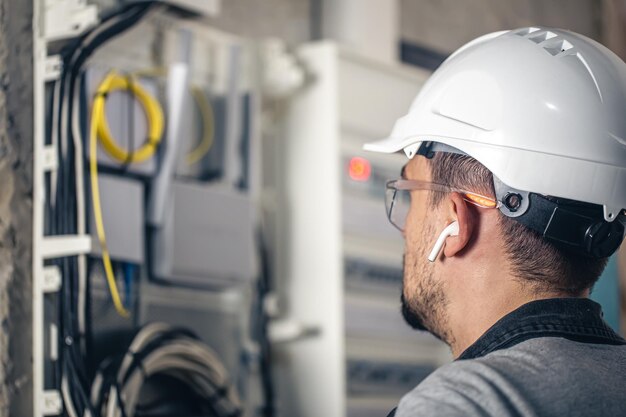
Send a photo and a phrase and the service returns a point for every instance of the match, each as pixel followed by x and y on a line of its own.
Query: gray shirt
pixel 546 376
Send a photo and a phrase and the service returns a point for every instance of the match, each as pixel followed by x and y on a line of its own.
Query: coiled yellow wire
pixel 154 114
pixel 99 128
pixel 206 114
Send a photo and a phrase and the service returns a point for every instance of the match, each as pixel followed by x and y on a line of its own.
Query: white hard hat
pixel 543 109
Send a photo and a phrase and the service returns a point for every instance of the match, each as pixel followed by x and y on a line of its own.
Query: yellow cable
pixel 208 126
pixel 206 113
pixel 153 112
pixel 98 107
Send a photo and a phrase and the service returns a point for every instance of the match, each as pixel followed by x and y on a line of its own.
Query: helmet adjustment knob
pixel 513 201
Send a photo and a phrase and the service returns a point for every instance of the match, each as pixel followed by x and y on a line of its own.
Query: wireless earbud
pixel 451 230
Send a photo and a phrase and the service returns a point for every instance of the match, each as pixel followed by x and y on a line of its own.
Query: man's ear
pixel 461 211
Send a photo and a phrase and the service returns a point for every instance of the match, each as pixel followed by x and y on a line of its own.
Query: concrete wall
pixel 285 19
pixel 16 180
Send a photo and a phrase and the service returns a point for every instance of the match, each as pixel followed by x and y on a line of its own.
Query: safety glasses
pixel 398 198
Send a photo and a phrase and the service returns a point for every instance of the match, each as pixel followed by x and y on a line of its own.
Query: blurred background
pixel 198 164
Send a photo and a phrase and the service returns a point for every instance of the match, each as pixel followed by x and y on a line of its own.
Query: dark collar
pixel 578 319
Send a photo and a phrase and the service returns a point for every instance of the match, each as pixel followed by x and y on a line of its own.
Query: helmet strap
pixel 579 227
pixel 428 149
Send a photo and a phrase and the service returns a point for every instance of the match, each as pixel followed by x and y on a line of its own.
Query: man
pixel 511 203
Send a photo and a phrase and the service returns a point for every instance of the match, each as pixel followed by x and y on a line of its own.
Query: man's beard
pixel 425 309
pixel 413 318
pixel 427 312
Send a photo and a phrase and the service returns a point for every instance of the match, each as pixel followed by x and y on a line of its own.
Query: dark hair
pixel 534 260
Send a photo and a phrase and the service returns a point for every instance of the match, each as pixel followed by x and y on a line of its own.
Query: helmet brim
pixel 387 145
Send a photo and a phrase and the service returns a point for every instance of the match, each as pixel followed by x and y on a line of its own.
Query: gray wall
pixel 16 137
pixel 445 25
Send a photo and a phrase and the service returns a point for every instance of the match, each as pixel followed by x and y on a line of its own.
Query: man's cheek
pixel 409 275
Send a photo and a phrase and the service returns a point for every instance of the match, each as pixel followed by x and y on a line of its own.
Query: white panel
pixel 207 237
pixel 374 95
pixel 312 370
pixel 379 318
pixel 366 217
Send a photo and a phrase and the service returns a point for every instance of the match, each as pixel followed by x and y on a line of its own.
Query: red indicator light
pixel 359 169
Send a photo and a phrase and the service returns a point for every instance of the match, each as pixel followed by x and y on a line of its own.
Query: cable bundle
pixel 161 350
pixel 157 349
pixel 65 208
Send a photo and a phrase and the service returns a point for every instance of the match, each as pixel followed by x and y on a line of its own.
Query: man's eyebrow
pixel 403 172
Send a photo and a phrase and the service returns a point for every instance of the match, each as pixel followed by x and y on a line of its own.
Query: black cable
pixel 61 225
pixel 263 289
pixel 66 217
pixel 74 59
pixel 73 360
pixel 69 51
pixel 78 389
pixel 62 217
pixel 108 369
